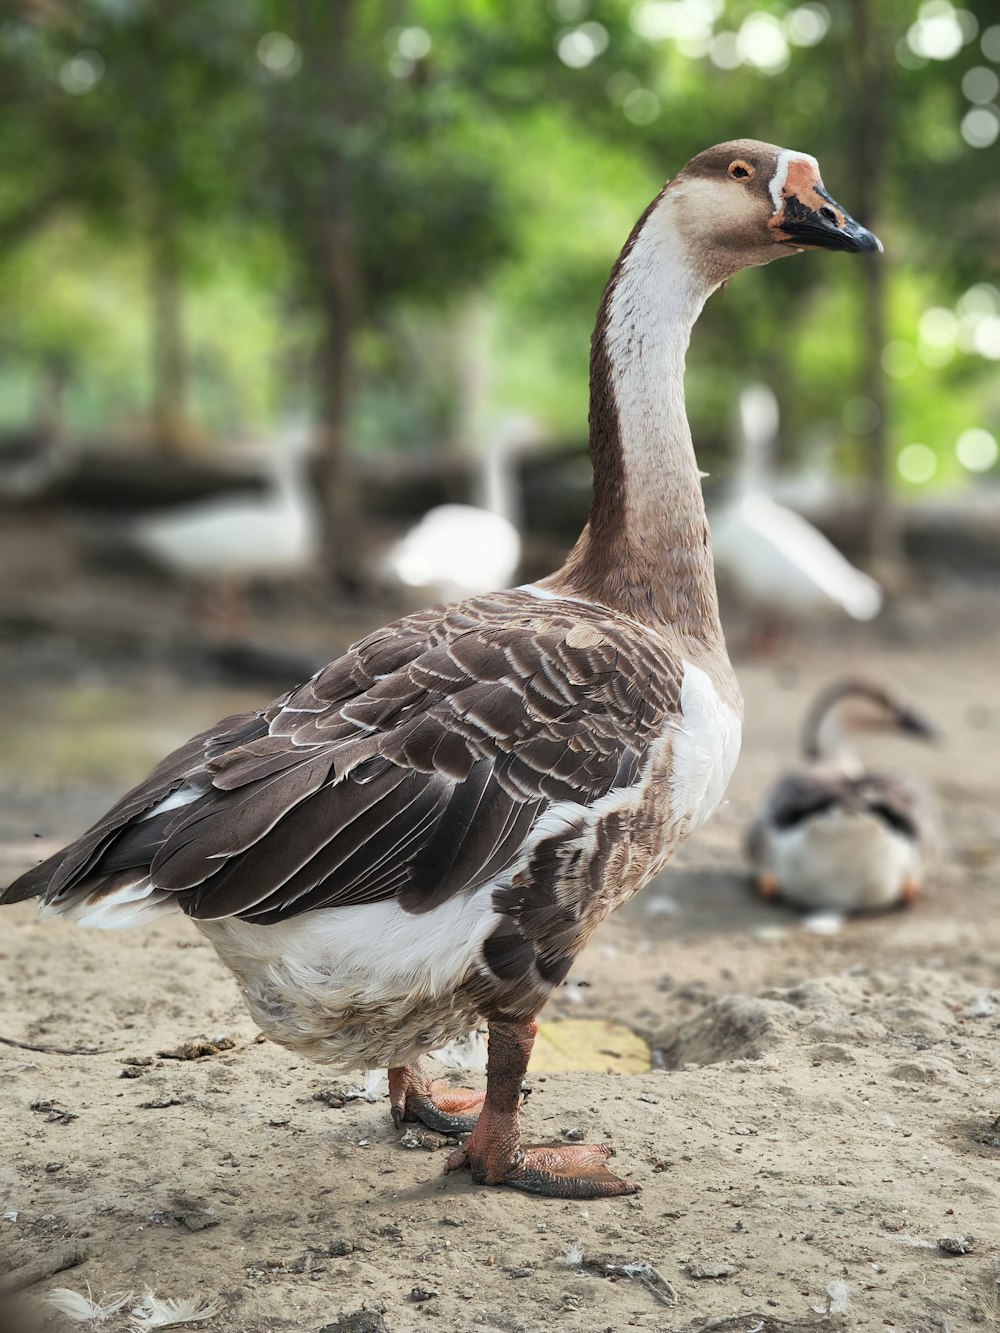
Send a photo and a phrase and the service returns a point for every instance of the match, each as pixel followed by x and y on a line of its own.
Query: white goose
pixel 274 535
pixel 457 550
pixel 426 833
pixel 778 562
pixel 834 835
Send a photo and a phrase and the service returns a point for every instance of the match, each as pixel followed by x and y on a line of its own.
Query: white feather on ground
pixel 84 1309
pixel 162 1312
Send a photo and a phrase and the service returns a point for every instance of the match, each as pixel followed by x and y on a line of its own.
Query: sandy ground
pixel 824 1110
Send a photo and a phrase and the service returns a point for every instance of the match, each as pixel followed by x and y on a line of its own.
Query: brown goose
pixel 834 835
pixel 427 832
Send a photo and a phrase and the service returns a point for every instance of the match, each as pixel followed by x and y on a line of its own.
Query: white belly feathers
pixel 706 746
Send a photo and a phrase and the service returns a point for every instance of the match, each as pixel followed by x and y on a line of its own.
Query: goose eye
pixel 740 171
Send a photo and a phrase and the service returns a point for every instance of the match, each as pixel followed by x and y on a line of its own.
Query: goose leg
pixel 494 1150
pixel 413 1095
pixel 767 885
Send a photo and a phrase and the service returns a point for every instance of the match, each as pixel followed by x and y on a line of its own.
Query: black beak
pixel 914 725
pixel 828 227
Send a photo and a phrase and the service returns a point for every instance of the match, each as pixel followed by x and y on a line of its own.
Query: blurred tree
pixel 124 114
pixel 393 152
pixel 372 171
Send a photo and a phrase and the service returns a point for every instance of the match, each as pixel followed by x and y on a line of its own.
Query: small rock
pixel 708 1268
pixel 330 1097
pixel 956 1244
pixel 197 1050
pixel 419 1294
pixel 361 1321
pixel 430 1142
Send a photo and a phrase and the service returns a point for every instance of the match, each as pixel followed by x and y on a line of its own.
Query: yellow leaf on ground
pixel 567 1044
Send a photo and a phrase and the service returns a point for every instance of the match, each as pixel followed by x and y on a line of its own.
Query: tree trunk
pixel 327 31
pixel 871 59
pixel 339 483
pixel 168 359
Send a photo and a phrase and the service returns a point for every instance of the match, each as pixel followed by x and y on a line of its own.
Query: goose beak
pixel 819 223
pixel 914 725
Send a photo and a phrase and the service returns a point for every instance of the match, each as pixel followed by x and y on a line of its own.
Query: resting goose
pixel 834 835
pixel 426 834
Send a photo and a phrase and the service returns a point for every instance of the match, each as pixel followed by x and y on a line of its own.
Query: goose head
pixel 854 707
pixel 745 203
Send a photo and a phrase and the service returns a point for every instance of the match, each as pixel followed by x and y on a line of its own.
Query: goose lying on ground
pixel 777 561
pixel 835 835
pixel 428 832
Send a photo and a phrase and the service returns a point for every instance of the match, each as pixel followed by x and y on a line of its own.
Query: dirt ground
pixel 823 1113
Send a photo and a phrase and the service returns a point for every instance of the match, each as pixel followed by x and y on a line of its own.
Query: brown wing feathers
pixel 414 766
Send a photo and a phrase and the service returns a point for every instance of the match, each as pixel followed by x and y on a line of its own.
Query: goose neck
pixel 646 548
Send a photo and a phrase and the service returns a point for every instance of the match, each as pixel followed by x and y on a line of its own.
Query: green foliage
pixel 249 147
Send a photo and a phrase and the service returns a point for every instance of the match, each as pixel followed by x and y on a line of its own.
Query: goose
pixel 456 550
pixel 776 560
pixel 424 835
pixel 834 835
pixel 241 537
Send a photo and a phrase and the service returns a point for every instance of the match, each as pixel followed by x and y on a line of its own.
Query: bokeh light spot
pixel 569 11
pixel 658 20
pixel 937 33
pixel 976 449
pixel 980 84
pixel 990 43
pixel 807 25
pixel 986 337
pixel 641 106
pixel 981 126
pixel 81 72
pixel 916 463
pixel 938 327
pixel 761 42
pixel 982 298
pixel 578 47
pixel 414 43
pixel 724 51
pixel 279 55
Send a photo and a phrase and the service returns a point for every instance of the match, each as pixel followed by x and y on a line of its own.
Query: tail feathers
pixel 34 882
pixel 112 902
pixel 122 898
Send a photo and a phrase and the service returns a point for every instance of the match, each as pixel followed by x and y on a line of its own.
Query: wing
pixel 897 799
pixel 802 794
pixel 414 767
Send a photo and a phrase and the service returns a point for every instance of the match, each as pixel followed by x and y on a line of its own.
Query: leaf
pixel 593 1044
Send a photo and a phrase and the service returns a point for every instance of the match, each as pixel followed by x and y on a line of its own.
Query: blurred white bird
pixel 219 546
pixel 458 550
pixel 273 535
pixel 775 559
